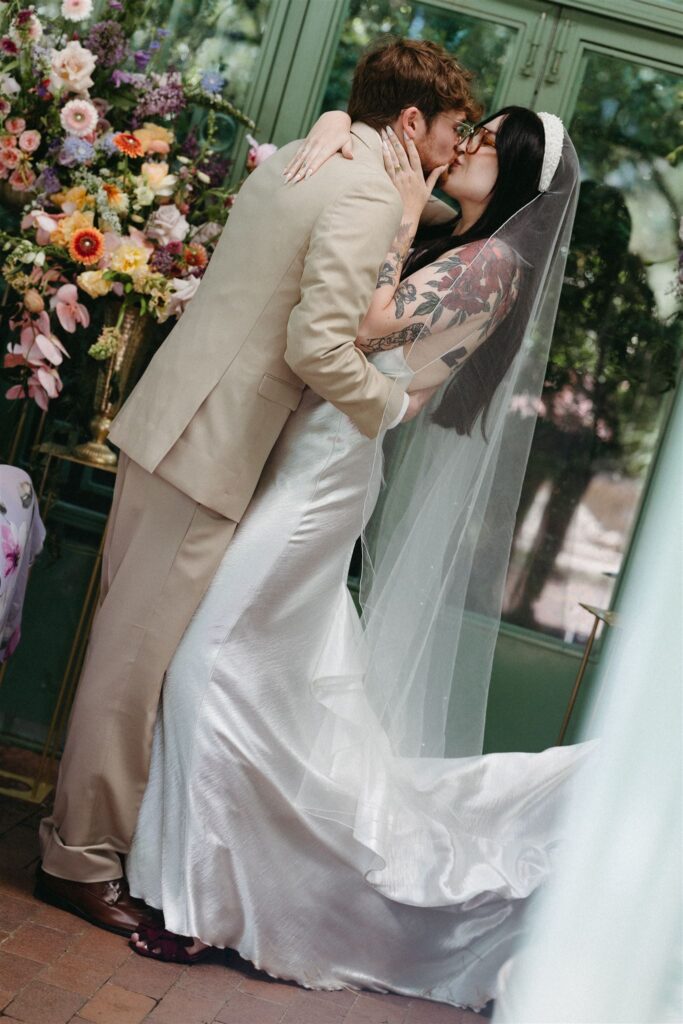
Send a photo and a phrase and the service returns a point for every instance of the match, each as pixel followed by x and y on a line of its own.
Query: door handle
pixel 534 44
pixel 559 52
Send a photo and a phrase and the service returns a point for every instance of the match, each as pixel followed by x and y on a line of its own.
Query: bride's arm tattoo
pixel 395 340
pixel 390 271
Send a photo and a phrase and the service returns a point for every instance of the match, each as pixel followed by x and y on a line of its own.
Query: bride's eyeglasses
pixel 475 136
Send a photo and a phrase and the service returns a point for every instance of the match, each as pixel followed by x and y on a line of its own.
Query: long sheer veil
pixel 437 548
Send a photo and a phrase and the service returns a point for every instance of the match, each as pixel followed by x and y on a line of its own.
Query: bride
pixel 299 807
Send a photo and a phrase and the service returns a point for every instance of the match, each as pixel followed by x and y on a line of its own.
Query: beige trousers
pixel 161 552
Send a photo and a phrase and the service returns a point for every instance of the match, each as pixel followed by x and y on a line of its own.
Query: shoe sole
pixel 41 892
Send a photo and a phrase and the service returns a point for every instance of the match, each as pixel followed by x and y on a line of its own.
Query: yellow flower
pixel 73 199
pixel 157 177
pixel 154 138
pixel 70 224
pixel 139 276
pixel 94 283
pixel 129 257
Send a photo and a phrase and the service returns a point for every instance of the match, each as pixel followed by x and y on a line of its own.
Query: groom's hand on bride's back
pixel 417 401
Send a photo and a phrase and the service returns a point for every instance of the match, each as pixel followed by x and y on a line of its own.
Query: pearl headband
pixel 554 139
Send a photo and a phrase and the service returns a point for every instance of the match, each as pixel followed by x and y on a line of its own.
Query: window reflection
pixel 614 353
pixel 480 45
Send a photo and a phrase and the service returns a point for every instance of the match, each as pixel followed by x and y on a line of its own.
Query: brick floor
pixel 56 969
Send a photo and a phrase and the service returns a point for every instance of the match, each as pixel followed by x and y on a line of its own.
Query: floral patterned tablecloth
pixel 21 539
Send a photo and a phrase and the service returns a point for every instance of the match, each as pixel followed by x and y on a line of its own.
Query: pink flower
pixel 29 140
pixel 70 311
pixel 15 125
pixel 7 142
pixel 258 152
pixel 11 549
pixel 76 10
pixel 36 389
pixel 9 157
pixel 22 178
pixel 5 107
pixel 44 223
pixel 8 46
pixel 79 117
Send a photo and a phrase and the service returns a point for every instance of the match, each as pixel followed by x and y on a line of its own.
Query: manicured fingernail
pixel 406 136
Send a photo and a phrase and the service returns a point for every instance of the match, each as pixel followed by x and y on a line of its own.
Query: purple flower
pixel 216 167
pixel 108 42
pixel 190 145
pixel 120 78
pixel 212 82
pixel 165 259
pixel 75 151
pixel 107 145
pixel 162 95
pixel 142 59
pixel 47 181
pixel 116 5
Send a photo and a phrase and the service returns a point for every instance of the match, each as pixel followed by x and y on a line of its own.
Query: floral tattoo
pixel 390 270
pixel 492 289
pixel 398 338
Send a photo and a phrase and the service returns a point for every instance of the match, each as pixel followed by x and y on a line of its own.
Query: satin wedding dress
pixel 227 845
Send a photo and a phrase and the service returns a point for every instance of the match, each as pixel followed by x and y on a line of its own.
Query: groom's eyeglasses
pixel 475 136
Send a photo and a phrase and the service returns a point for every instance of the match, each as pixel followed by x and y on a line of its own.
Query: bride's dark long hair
pixel 520 145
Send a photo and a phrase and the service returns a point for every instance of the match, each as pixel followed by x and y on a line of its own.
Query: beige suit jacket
pixel 279 308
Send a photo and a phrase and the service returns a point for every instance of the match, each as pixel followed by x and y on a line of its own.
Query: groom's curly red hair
pixel 409 73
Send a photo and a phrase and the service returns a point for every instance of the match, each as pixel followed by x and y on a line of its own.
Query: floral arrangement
pixel 119 171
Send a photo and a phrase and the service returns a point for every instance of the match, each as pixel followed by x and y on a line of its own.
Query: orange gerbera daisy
pixel 128 144
pixel 86 246
pixel 196 255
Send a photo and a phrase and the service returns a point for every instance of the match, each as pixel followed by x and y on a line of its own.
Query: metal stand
pixel 600 615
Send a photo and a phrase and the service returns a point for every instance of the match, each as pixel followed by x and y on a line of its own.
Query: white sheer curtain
pixel 606 942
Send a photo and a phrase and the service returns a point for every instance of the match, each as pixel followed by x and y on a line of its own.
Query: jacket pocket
pixel 280 391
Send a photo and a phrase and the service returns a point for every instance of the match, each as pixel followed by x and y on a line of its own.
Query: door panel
pixel 615 351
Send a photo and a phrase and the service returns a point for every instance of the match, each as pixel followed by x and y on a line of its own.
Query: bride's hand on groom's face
pixel 329 135
pixel 402 163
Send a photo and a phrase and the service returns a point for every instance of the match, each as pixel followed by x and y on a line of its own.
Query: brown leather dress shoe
pixel 105 904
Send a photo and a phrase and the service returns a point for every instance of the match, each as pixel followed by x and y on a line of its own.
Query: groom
pixel 278 309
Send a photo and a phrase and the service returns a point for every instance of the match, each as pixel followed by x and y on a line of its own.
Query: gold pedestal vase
pixel 116 379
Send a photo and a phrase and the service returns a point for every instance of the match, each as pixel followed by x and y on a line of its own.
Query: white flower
pixel 167 224
pixel 79 117
pixel 184 289
pixel 71 68
pixel 9 85
pixel 144 196
pixel 76 10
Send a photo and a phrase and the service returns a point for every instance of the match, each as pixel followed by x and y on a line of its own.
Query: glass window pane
pixel 481 45
pixel 614 353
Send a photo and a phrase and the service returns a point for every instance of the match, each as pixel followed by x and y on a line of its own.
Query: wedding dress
pixel 227 845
